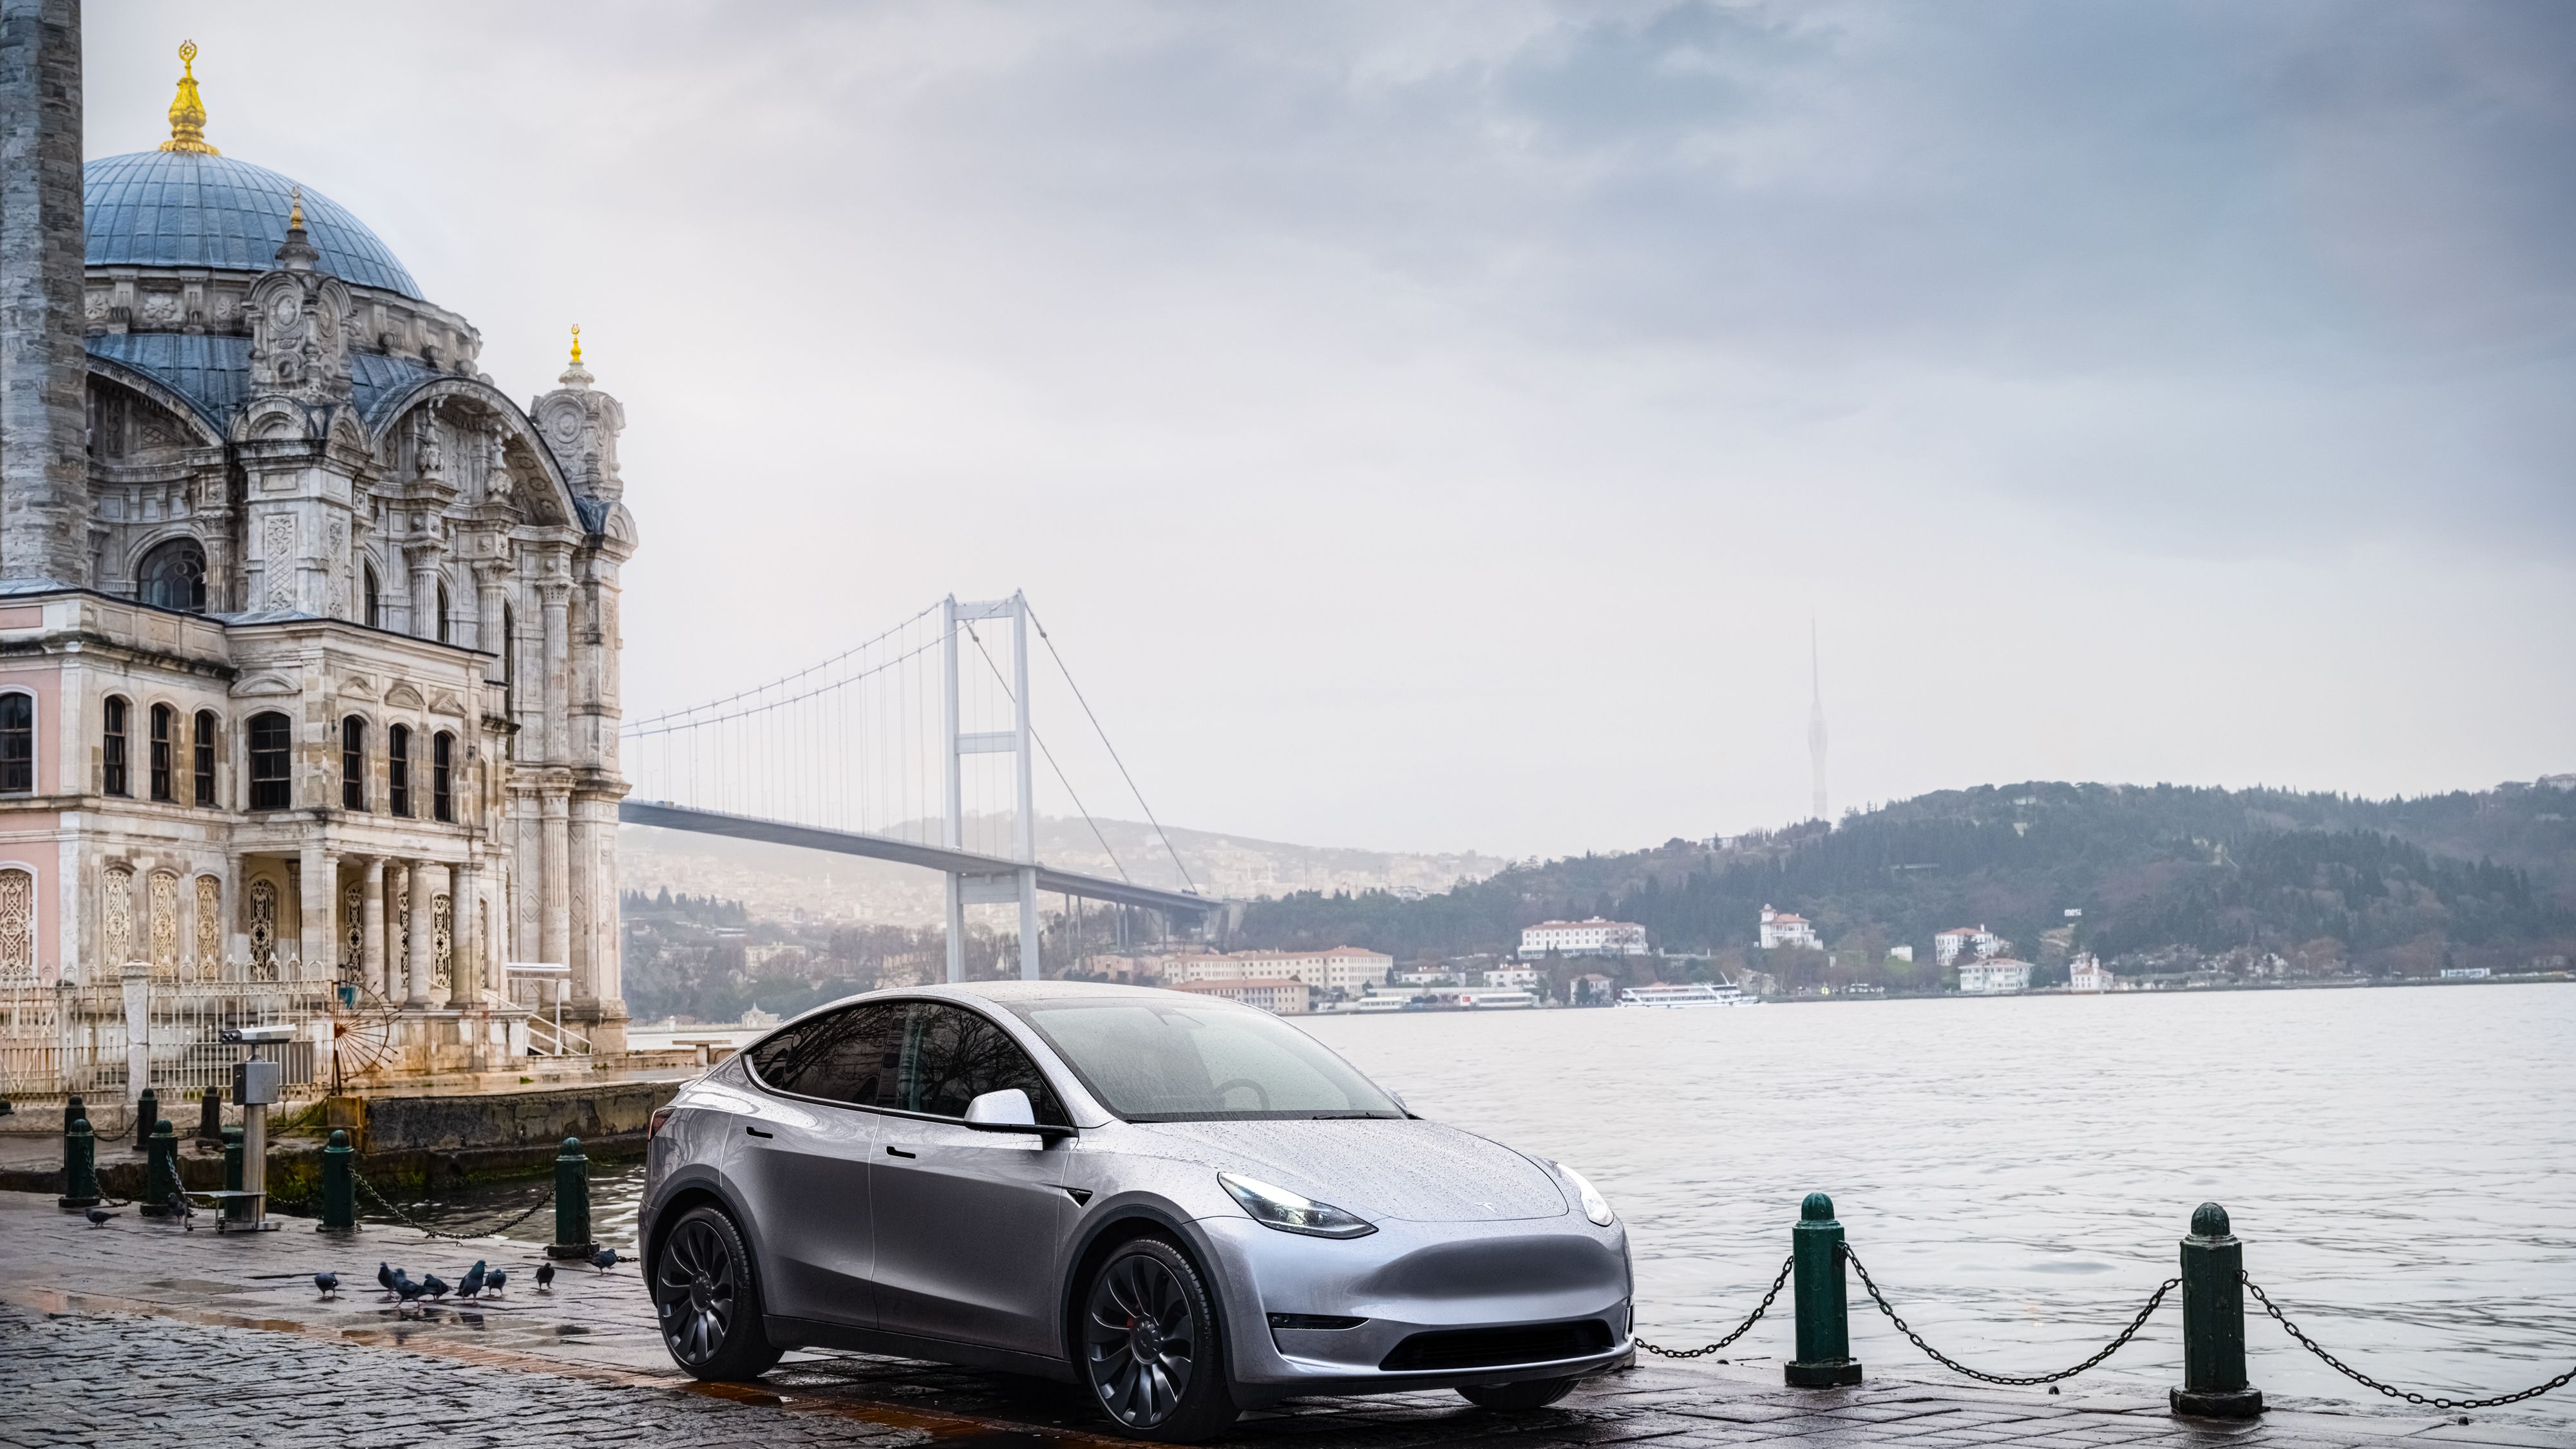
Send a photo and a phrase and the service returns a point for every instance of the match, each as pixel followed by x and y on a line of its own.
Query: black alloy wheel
pixel 1150 1348
pixel 708 1301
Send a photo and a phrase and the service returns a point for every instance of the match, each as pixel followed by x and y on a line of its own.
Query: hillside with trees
pixel 2167 879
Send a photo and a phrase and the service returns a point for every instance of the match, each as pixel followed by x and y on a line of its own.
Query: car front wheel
pixel 708 1299
pixel 1149 1345
pixel 1520 1397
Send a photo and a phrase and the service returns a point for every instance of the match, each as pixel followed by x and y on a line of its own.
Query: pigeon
pixel 433 1285
pixel 98 1217
pixel 327 1283
pixel 604 1259
pixel 408 1291
pixel 493 1282
pixel 472 1284
pixel 385 1279
pixel 545 1272
pixel 180 1209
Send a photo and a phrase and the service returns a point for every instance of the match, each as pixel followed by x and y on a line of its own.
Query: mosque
pixel 308 632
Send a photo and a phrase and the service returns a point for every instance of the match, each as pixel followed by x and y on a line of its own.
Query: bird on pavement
pixel 604 1259
pixel 408 1291
pixel 433 1285
pixel 385 1279
pixel 327 1283
pixel 493 1283
pixel 545 1272
pixel 472 1284
pixel 180 1209
pixel 98 1217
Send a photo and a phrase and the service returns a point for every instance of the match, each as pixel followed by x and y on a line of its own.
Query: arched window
pixel 203 739
pixel 173 576
pixel 442 776
pixel 375 615
pixel 272 748
pixel 165 722
pixel 112 739
pixel 398 769
pixel 17 744
pixel 353 763
pixel 442 613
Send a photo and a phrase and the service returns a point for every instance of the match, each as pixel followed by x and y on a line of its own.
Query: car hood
pixel 1377 1167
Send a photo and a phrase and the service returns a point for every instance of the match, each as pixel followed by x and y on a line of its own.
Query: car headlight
pixel 1595 1206
pixel 1277 1207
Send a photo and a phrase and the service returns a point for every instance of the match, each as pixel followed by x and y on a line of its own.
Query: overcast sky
pixel 1434 426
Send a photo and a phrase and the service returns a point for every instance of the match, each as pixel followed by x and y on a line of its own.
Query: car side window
pixel 951 1056
pixel 845 1056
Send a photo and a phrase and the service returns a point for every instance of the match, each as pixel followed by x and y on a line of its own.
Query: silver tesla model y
pixel 1188 1207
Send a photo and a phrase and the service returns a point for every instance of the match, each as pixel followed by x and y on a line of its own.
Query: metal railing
pixel 92 1038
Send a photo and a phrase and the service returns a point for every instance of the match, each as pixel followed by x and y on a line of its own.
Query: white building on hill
pixel 1949 944
pixel 1590 937
pixel 1343 968
pixel 1282 996
pixel 2087 973
pixel 1783 931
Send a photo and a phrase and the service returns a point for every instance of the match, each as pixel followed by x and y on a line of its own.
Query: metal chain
pixel 369 1189
pixel 2391 1390
pixel 1740 1329
pixel 2018 1380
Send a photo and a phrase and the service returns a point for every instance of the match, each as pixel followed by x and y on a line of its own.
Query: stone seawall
pixel 497 1121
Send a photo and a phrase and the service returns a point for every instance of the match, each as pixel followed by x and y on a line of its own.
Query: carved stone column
pixel 425 573
pixel 317 888
pixel 554 935
pixel 467 975
pixel 422 879
pixel 557 598
pixel 371 943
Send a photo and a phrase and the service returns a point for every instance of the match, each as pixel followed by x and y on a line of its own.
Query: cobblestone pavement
pixel 143 1334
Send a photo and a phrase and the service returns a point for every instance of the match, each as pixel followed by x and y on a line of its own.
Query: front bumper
pixel 1410 1279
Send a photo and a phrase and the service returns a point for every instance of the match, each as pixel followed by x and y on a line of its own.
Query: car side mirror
pixel 1007 1110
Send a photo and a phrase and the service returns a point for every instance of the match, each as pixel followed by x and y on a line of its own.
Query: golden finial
pixel 576 344
pixel 187 112
pixel 295 209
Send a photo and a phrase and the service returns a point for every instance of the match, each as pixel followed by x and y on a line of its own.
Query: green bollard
pixel 73 1111
pixel 160 1171
pixel 339 1186
pixel 210 1116
pixel 236 1210
pixel 572 1204
pixel 2213 1322
pixel 80 1167
pixel 146 1112
pixel 1824 1320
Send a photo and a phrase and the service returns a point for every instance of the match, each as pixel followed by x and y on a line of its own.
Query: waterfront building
pixel 1343 968
pixel 1997 977
pixel 1592 936
pixel 1947 946
pixel 1522 978
pixel 308 632
pixel 1781 930
pixel 2087 973
pixel 1280 996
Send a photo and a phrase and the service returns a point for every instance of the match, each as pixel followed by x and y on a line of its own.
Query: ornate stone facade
pixel 338 630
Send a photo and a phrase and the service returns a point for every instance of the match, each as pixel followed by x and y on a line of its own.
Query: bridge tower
pixel 999 888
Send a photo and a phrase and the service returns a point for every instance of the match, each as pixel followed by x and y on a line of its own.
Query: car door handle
pixel 899 1152
pixel 756 1132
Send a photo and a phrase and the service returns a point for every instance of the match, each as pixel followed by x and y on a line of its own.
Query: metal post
pixel 147 1110
pixel 80 1166
pixel 339 1187
pixel 1824 1320
pixel 572 1204
pixel 1027 842
pixel 254 1130
pixel 236 1210
pixel 2213 1322
pixel 160 1171
pixel 953 832
pixel 210 1116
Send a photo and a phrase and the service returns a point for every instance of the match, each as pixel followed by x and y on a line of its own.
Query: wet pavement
pixel 139 1333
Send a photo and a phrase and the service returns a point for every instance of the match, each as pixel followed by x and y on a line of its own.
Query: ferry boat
pixel 1697 993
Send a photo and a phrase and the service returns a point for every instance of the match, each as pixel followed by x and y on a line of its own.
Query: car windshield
pixel 1185 1060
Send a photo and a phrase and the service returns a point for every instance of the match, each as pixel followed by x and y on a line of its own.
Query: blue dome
pixel 187 209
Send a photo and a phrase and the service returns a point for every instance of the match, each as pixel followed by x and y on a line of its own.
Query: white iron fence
pixel 106 1040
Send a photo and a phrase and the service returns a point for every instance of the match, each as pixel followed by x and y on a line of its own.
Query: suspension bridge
pixel 917 746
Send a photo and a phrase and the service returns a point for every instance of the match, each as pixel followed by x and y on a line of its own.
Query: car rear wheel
pixel 708 1299
pixel 1518 1398
pixel 1150 1350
